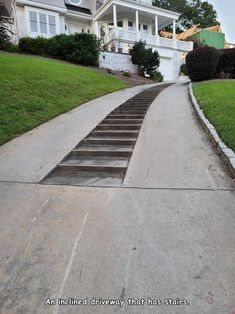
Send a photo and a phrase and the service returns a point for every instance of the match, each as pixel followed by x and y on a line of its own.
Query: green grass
pixel 217 99
pixel 35 89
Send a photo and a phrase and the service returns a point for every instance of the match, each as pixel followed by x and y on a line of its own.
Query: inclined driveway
pixel 31 156
pixel 168 236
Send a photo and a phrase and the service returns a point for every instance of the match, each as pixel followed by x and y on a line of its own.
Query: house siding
pixel 54 3
pixel 21 22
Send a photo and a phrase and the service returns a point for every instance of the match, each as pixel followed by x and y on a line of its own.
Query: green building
pixel 211 38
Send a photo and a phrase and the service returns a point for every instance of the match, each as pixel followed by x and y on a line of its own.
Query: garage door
pixel 166 68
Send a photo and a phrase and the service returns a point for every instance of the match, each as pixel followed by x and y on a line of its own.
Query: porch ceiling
pixel 124 12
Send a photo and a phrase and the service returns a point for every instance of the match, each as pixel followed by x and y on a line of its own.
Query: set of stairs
pixel 101 159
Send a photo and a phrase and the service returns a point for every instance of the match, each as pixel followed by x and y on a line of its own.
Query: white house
pixel 119 23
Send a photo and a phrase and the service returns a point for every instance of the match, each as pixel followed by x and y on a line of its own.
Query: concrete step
pixel 125 111
pixel 84 178
pixel 115 133
pixel 112 141
pixel 122 121
pixel 119 161
pixel 112 127
pixel 103 147
pixel 133 107
pixel 125 116
pixel 101 153
pixel 120 170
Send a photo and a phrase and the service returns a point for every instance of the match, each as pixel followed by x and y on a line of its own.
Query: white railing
pixel 184 45
pixel 109 37
pixel 151 40
pixel 166 42
pixel 126 35
pixel 144 2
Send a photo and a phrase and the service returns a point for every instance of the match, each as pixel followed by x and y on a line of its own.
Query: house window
pixel 52 24
pixel 42 24
pixel 120 24
pixel 33 22
pixel 145 29
pixel 130 25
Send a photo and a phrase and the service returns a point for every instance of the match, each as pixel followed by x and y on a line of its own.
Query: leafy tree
pixel 147 60
pixel 192 12
pixel 4 33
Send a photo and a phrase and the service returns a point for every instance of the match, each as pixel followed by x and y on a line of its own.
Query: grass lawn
pixel 35 89
pixel 217 99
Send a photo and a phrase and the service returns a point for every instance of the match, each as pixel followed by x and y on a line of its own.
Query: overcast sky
pixel 226 14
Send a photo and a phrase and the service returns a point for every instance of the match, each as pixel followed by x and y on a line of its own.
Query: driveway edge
pixel 227 154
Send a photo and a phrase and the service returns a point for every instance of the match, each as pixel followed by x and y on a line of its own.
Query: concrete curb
pixel 226 153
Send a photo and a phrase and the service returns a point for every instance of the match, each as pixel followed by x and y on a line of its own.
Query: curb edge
pixel 227 154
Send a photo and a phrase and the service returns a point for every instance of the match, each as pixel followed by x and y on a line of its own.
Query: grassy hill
pixel 35 89
pixel 217 99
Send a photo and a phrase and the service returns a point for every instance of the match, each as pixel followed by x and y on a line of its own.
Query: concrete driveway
pixel 165 238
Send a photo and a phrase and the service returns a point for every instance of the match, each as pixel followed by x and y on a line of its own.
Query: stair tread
pixel 83 179
pixel 106 147
pixel 96 162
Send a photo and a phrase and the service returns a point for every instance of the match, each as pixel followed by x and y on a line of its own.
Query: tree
pixel 4 37
pixel 147 60
pixel 192 12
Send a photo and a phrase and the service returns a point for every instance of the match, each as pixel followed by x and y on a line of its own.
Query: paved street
pixel 166 236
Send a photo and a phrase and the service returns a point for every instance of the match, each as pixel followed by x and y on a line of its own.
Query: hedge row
pixel 207 63
pixel 79 48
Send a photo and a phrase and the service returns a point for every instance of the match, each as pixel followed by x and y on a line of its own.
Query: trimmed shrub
pixel 157 77
pixel 184 69
pixel 147 60
pixel 78 48
pixel 202 63
pixel 11 48
pixel 34 46
pixel 226 65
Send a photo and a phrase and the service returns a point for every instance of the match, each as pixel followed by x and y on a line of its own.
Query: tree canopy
pixel 192 12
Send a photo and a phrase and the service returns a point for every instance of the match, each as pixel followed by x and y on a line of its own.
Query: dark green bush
pixel 202 63
pixel 126 74
pixel 147 60
pixel 35 46
pixel 157 77
pixel 183 69
pixel 11 48
pixel 78 48
pixel 4 37
pixel 226 65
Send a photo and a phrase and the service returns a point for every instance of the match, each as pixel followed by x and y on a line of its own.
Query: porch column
pixel 137 24
pixel 114 16
pixel 174 34
pixel 156 30
pixel 96 28
pixel 174 30
pixel 115 26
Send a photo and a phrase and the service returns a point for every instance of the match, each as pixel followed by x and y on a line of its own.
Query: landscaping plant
pixel 147 60
pixel 202 63
pixel 226 65
pixel 81 48
pixel 4 34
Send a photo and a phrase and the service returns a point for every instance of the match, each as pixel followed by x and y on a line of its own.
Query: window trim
pixel 76 4
pixel 38 12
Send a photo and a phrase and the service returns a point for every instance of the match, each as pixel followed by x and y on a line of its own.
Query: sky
pixel 226 15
